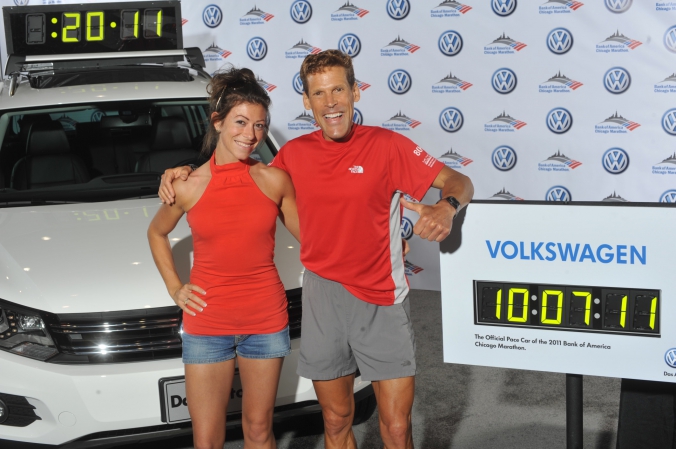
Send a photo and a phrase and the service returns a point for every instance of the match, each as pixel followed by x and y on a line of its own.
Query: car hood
pixel 94 257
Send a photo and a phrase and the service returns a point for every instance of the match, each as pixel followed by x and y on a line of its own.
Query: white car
pixel 90 341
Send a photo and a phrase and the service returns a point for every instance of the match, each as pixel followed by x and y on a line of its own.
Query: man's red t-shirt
pixel 348 205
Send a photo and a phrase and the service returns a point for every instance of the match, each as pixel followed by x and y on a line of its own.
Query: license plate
pixel 174 404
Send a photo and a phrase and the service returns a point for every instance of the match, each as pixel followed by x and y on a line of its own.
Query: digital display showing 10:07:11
pixel 625 311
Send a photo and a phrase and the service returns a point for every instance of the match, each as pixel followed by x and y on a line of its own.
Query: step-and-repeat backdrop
pixel 553 100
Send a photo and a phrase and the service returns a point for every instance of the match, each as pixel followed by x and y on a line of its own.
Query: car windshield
pixel 100 152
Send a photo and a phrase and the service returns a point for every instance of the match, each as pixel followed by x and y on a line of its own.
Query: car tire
pixel 364 409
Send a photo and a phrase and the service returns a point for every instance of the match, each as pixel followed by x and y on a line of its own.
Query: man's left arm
pixel 435 221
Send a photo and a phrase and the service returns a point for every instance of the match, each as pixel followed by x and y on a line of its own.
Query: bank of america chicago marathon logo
pixel 559 120
pixel 348 12
pixel 666 167
pixel 504 81
pixel 450 43
pixel 668 197
pixel 399 81
pixel 504 45
pixel 212 16
pixel 615 124
pixel 617 43
pixel 301 11
pixel 665 6
pixel 558 162
pixel 411 269
pixel 504 158
pixel 255 16
pixel 350 44
pixel 454 160
pixel 558 193
pixel 614 198
pixel 558 84
pixel 401 122
pixel 450 84
pixel 503 8
pixel 615 161
pixel 667 85
pixel 265 85
pixel 398 9
pixel 504 194
pixel 450 8
pixel 560 7
pixel 399 47
pixel 214 53
pixel 504 123
pixel 304 122
pixel 301 50
pixel 184 21
pixel 560 41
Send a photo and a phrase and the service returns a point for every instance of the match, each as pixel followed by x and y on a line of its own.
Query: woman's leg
pixel 208 389
pixel 260 378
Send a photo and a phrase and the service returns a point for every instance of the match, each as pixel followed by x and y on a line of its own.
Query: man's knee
pixel 398 430
pixel 337 419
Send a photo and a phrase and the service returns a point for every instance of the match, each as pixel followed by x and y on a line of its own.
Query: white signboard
pixel 571 288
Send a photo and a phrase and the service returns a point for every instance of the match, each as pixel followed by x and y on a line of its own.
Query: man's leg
pixel 337 400
pixel 395 401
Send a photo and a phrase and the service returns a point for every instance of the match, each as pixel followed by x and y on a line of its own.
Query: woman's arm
pixel 163 223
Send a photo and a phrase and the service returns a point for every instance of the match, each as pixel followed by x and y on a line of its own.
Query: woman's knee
pixel 258 429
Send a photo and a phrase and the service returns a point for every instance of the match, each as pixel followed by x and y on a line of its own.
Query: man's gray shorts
pixel 341 333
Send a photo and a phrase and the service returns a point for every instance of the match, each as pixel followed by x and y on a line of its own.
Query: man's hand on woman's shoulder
pixel 166 192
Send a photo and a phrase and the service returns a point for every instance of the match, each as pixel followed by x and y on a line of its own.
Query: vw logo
pixel 558 193
pixel 615 161
pixel 350 45
pixel 398 9
pixel 97 116
pixel 256 48
pixel 20 2
pixel 559 41
pixel 406 228
pixel 503 8
pixel 399 81
pixel 212 16
pixel 669 121
pixel 298 84
pixel 559 120
pixel 357 117
pixel 504 158
pixel 301 11
pixel 668 197
pixel 670 39
pixel 617 80
pixel 450 43
pixel 618 6
pixel 504 81
pixel 670 357
pixel 451 120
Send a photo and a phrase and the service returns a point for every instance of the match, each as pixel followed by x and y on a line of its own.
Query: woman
pixel 235 303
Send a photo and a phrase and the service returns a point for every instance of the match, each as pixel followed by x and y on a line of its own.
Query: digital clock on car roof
pixel 627 311
pixel 93 28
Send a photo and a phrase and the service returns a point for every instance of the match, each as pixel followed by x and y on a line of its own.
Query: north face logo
pixel 356 169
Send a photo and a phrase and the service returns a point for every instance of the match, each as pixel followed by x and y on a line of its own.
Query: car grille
pixel 132 335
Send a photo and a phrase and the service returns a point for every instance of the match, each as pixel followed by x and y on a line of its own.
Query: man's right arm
pixel 166 193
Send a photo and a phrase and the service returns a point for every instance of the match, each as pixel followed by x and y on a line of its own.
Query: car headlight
pixel 23 332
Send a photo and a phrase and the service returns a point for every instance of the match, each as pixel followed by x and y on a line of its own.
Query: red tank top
pixel 233 229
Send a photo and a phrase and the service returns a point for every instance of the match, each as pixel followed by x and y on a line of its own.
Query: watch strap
pixel 453 201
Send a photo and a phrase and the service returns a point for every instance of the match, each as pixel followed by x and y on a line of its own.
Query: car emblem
pixel 212 16
pixel 256 48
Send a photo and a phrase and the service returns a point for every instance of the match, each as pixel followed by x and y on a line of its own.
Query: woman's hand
pixel 184 297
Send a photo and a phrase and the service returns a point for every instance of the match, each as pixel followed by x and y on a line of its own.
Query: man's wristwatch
pixel 453 201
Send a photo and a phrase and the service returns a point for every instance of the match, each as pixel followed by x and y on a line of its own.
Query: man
pixel 349 179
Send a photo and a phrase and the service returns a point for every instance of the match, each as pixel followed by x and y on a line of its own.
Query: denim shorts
pixel 202 349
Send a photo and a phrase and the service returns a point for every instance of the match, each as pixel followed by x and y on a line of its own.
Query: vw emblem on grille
pixel 398 9
pixel 357 117
pixel 558 193
pixel 256 48
pixel 406 228
pixel 504 81
pixel 670 357
pixel 350 45
pixel 212 16
pixel 670 39
pixel 615 161
pixel 617 80
pixel 399 81
pixel 504 158
pixel 450 43
pixel 559 41
pixel 618 6
pixel 669 121
pixel 298 84
pixel 301 11
pixel 451 120
pixel 668 197
pixel 503 8
pixel 559 120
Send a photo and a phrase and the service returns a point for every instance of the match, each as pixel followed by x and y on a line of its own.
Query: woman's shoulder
pixel 194 185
